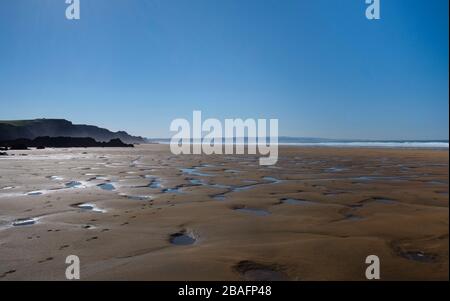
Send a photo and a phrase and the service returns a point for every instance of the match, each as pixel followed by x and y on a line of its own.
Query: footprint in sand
pixel 64 247
pixel 45 260
pixel 88 227
pixel 6 273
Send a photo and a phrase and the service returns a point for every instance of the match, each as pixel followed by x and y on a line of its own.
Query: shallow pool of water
pixel 253 211
pixel 35 193
pixel 172 190
pixel 73 184
pixel 89 207
pixel 418 256
pixel 24 222
pixel 195 172
pixel 181 239
pixel 297 202
pixel 107 186
pixel 272 179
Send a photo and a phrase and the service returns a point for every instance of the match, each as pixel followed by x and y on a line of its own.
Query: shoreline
pixel 445 145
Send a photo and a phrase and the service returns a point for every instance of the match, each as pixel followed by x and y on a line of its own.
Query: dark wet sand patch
pixel 219 197
pixel 45 260
pixel 414 254
pixel 253 271
pixel 437 182
pixel 333 193
pixel 385 201
pixel 419 256
pixel 445 193
pixel 7 273
pixel 63 247
pixel 353 217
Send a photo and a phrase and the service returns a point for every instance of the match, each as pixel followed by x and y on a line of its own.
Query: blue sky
pixel 319 66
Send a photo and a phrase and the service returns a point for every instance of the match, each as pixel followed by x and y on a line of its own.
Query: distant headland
pixel 61 133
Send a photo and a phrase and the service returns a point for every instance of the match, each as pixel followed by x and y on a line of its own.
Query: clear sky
pixel 319 66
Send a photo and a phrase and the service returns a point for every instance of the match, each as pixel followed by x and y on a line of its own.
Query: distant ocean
pixel 319 142
pixel 379 144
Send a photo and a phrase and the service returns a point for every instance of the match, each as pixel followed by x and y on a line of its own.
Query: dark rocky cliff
pixel 31 129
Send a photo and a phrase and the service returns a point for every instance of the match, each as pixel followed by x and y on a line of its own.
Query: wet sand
pixel 145 214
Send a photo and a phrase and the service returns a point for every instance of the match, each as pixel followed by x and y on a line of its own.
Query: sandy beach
pixel 146 214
